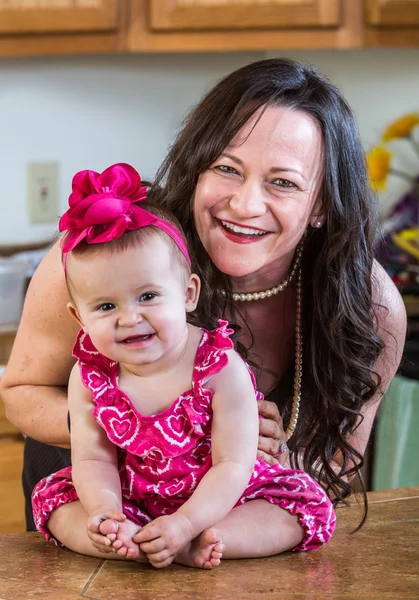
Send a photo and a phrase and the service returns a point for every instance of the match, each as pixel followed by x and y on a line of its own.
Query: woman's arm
pixel 391 321
pixel 34 385
pixel 93 456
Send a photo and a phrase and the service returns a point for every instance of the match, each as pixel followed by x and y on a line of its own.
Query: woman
pixel 268 179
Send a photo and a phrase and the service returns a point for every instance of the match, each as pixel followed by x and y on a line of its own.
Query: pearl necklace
pixel 272 291
pixel 298 367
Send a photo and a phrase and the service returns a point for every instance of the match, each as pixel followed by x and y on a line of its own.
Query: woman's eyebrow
pixel 233 158
pixel 287 170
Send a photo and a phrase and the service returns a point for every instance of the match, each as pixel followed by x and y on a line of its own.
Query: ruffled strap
pixel 211 357
pixel 97 372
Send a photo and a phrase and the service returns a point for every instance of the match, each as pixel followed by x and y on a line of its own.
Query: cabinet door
pixel 183 15
pixel 392 12
pixel 54 16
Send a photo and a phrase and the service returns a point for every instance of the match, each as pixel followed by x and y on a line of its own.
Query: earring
pixel 317 224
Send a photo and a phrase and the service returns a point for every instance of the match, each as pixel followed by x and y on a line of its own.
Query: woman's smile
pixel 241 234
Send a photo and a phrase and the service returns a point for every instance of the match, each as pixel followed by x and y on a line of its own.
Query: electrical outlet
pixel 43 192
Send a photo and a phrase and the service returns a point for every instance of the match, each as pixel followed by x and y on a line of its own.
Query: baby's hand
pixel 164 538
pixel 102 527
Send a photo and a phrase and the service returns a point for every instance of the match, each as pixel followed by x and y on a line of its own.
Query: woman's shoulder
pixel 385 296
pixel 389 310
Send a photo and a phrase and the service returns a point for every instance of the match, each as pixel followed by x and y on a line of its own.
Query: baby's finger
pixel 146 534
pixel 113 514
pixel 93 523
pixel 160 559
pixel 99 539
pixel 156 545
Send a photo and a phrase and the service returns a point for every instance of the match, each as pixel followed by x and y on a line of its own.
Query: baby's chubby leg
pixel 257 529
pixel 68 524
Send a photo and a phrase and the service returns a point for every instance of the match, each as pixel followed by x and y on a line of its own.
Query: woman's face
pixel 252 205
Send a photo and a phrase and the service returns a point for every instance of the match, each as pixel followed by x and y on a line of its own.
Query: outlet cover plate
pixel 43 192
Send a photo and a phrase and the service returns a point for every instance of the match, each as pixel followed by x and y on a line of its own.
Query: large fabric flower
pixel 102 205
pixel 401 128
pixel 378 161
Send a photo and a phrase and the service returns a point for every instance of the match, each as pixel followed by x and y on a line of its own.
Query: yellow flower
pixel 401 128
pixel 378 161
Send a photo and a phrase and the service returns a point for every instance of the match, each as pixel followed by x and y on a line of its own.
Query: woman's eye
pixel 105 307
pixel 225 169
pixel 147 296
pixel 283 183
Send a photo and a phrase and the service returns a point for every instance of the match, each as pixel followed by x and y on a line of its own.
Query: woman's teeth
pixel 245 230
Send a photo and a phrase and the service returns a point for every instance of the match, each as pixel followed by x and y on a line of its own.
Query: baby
pixel 164 422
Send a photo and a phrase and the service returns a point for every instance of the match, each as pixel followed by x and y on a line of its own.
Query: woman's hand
pixel 271 435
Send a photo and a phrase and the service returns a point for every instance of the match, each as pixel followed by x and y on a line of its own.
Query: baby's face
pixel 133 302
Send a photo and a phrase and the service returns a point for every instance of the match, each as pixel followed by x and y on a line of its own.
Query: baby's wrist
pixel 189 524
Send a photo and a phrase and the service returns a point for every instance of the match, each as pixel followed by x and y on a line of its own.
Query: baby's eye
pixel 147 296
pixel 105 307
pixel 283 183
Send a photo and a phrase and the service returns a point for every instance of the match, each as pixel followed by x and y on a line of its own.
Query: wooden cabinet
pixel 60 26
pixel 391 13
pixel 194 25
pixel 194 15
pixel 55 16
pixel 392 22
pixel 30 27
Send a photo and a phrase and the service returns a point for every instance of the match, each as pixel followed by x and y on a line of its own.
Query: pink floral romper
pixel 163 457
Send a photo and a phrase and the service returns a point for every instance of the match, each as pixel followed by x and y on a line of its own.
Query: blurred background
pixel 85 83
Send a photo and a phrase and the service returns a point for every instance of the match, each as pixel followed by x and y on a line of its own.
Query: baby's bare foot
pixel 123 543
pixel 204 552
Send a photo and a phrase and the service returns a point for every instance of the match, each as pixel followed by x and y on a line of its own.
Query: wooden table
pixel 381 561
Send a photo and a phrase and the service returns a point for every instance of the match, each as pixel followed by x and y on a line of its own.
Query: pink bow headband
pixel 102 208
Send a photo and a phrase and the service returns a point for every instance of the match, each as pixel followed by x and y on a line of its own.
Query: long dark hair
pixel 339 325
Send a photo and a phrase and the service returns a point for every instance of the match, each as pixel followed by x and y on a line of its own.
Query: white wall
pixel 88 112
